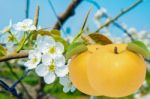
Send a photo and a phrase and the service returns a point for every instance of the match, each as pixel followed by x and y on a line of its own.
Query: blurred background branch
pixel 123 11
pixel 27 9
pixel 17 78
pixel 36 16
pixel 70 11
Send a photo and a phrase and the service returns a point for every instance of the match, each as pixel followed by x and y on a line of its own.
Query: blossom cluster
pixel 49 62
pixel 11 35
pixel 47 59
pixel 46 56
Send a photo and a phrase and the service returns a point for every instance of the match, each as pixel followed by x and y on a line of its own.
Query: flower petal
pixel 32 27
pixel 66 89
pixel 34 54
pixel 50 78
pixel 59 48
pixel 27 22
pixel 61 71
pixel 29 64
pixel 44 42
pixel 64 81
pixel 46 59
pixel 59 60
pixel 41 70
pixel 49 40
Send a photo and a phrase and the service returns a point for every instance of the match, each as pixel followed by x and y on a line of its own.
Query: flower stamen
pixel 52 50
pixel 52 67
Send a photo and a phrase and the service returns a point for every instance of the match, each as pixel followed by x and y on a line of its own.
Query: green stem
pixel 24 39
pixel 13 36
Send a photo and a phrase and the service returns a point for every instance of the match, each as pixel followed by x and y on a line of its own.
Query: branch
pixel 17 77
pixel 124 11
pixel 21 54
pixel 27 9
pixel 70 11
pixel 36 16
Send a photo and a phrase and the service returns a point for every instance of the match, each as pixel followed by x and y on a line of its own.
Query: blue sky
pixel 15 10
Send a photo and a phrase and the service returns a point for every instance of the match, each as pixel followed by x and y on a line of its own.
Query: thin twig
pixel 114 22
pixel 53 9
pixel 36 16
pixel 17 77
pixel 27 9
pixel 124 11
pixel 13 91
pixel 20 79
pixel 70 11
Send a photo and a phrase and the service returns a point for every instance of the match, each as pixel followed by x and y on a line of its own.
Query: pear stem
pixel 116 50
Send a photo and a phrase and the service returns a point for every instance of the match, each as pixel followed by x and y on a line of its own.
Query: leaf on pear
pixel 75 48
pixel 100 38
pixel 139 47
pixel 2 51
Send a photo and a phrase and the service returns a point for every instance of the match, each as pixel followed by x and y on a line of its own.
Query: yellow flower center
pixel 34 60
pixel 52 67
pixel 52 50
pixel 24 26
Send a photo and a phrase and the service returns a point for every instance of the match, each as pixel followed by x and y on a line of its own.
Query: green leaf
pixel 75 48
pixel 139 47
pixel 84 23
pixel 46 32
pixel 2 51
pixel 100 38
pixel 21 43
pixel 60 39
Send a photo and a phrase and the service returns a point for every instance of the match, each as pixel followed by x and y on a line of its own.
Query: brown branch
pixel 124 11
pixel 70 11
pixel 21 54
pixel 36 16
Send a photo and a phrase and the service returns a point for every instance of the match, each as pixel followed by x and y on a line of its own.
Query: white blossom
pixel 34 59
pixel 67 84
pixel 142 34
pixel 25 25
pixel 47 45
pixel 52 67
pixel 43 41
pixel 100 13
